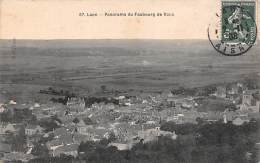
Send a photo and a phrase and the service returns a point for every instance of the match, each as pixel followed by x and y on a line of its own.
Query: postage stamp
pixel 238 22
pixel 238 29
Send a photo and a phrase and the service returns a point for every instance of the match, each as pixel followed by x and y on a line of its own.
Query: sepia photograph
pixel 115 81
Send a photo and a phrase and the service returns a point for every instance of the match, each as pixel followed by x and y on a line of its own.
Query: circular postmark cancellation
pixel 237 32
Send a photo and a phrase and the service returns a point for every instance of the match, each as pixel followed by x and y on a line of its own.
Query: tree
pixel 40 150
pixel 33 120
pixel 18 141
pixel 6 116
pixel 55 118
pixel 88 121
pixel 103 88
pixel 111 137
pixel 199 120
pixel 49 124
pixel 251 83
pixel 75 120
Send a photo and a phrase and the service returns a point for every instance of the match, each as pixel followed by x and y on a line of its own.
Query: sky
pixel 59 19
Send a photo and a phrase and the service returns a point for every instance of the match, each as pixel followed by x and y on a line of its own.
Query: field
pixel 129 65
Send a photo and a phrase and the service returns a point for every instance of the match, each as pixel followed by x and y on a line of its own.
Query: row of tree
pixel 202 143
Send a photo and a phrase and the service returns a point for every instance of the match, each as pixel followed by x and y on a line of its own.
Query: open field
pixel 131 65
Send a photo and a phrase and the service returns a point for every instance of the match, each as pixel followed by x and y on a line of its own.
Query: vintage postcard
pixel 140 81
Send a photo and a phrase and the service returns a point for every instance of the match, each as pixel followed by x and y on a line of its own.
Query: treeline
pixel 92 100
pixel 202 143
pixel 61 100
pixel 67 94
pixel 249 83
pixel 218 142
pixel 88 100
pixel 199 91
pixel 61 92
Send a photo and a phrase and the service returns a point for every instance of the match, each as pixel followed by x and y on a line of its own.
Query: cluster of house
pixel 135 119
pixel 247 102
pixel 230 91
pixel 76 103
pixel 6 152
pixel 66 139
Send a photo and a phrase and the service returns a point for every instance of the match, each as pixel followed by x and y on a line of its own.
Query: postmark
pixel 236 31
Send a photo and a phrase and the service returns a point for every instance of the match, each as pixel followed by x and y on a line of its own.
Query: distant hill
pixel 147 65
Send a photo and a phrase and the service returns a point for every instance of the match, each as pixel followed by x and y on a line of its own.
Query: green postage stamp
pixel 238 27
pixel 238 22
